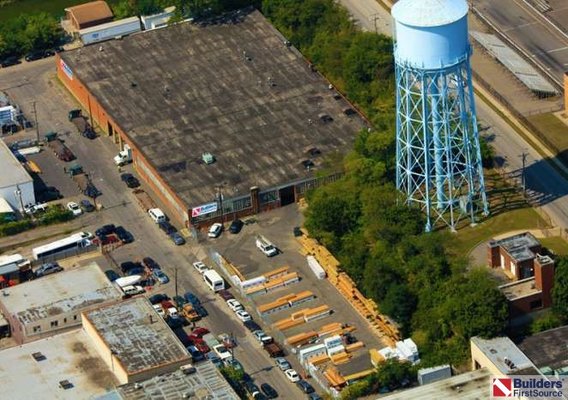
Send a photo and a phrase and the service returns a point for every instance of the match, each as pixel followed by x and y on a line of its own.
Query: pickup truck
pixel 274 350
pixel 265 246
pixel 144 199
pixel 60 150
pixel 123 157
pixel 80 122
pixel 210 340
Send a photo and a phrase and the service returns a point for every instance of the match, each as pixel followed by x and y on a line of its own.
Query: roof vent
pixel 314 151
pixel 38 356
pixel 208 158
pixel 308 164
pixel 287 43
pixel 325 118
pixel 137 385
pixel 65 384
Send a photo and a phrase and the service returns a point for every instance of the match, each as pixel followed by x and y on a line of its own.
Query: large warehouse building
pixel 224 118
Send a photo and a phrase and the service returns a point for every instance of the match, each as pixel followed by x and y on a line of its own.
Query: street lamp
pixel 219 198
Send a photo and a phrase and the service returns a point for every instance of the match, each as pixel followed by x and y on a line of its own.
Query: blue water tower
pixel 437 141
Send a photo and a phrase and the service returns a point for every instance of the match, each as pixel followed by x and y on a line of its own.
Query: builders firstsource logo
pixel 536 387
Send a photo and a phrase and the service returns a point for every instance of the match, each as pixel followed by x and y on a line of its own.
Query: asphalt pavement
pixel 36 82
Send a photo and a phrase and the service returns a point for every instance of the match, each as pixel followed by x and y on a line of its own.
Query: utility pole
pixel 220 202
pixel 19 195
pixel 35 118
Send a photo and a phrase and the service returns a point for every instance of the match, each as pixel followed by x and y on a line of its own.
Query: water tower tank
pixel 438 156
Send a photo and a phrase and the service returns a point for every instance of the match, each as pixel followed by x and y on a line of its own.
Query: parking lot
pixel 277 227
pixel 36 82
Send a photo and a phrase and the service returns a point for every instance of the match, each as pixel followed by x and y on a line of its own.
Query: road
pixel 530 30
pixel 120 208
pixel 544 184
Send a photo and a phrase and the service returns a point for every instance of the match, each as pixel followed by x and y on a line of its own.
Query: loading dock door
pixel 286 196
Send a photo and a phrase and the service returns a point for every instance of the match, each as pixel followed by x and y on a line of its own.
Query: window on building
pixel 54 324
pixel 74 318
pixel 535 304
pixel 37 329
pixel 64 320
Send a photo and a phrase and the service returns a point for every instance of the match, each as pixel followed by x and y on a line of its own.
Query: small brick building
pixel 88 14
pixel 532 274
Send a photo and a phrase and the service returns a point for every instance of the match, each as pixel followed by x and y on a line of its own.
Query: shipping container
pixel 316 268
pixel 110 30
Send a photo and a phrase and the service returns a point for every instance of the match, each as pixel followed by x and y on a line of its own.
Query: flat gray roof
pixel 230 87
pixel 59 293
pixel 207 382
pixel 140 337
pixel 68 356
pixel 518 289
pixel 474 385
pixel 518 246
pixel 13 172
pixel 499 348
pixel 548 348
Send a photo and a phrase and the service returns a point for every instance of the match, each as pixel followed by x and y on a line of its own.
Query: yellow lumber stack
pixel 317 360
pixel 301 338
pixel 350 348
pixel 376 357
pixel 359 375
pixel 314 313
pixel 255 289
pixel 232 268
pixel 288 323
pixel 334 377
pixel 33 167
pixel 340 358
pixel 271 306
pixel 276 273
pixel 329 328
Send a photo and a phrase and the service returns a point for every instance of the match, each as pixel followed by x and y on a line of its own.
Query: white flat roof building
pixel 40 307
pixel 35 370
pixel 14 180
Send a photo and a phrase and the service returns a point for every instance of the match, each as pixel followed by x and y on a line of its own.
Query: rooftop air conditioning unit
pixel 208 158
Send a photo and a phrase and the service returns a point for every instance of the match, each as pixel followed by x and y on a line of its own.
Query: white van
pixel 157 215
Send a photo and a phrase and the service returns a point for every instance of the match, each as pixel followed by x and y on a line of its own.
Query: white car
pixel 292 375
pixel 234 305
pixel 74 208
pixel 215 230
pixel 243 315
pixel 159 310
pixel 222 352
pixel 200 267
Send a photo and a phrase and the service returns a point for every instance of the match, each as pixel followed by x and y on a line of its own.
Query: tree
pixel 487 152
pixel 392 373
pixel 545 322
pixel 399 304
pixel 41 32
pixel 560 288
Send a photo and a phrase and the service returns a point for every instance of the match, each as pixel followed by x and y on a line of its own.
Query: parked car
pixel 201 345
pixel 252 389
pixel 51 52
pixel 74 208
pixel 200 331
pixel 124 235
pixel 87 206
pixel 130 180
pixel 35 55
pixel 234 363
pixel 236 226
pixel 292 375
pixel 191 298
pixel 195 354
pixel 111 275
pixel 222 352
pixel 47 269
pixel 200 267
pixel 282 363
pixel 225 295
pixel 105 230
pixel 177 238
pixel 167 227
pixel 234 305
pixel 160 276
pixel 175 321
pixel 269 391
pixel 158 298
pixel 243 315
pixel 149 263
pixel 128 265
pixel 252 326
pixel 159 310
pixel 305 386
pixel 314 396
pixel 135 271
pixel 215 230
pixel 215 360
pixel 262 337
pixel 9 61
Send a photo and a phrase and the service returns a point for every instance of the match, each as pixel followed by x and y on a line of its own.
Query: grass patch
pixel 554 128
pixel 556 244
pixel 508 212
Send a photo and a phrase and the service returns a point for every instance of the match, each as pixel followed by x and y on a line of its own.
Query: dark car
pixel 130 180
pixel 35 55
pixel 195 354
pixel 124 235
pixel 191 298
pixel 177 238
pixel 252 326
pixel 135 271
pixel 48 193
pixel 50 52
pixel 236 226
pixel 314 396
pixel 167 227
pixel 149 262
pixel 225 295
pixel 105 230
pixel 128 265
pixel 111 275
pixel 297 231
pixel 305 386
pixel 9 61
pixel 87 206
pixel 158 298
pixel 175 322
pixel 89 134
pixel 269 391
pixel 201 311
